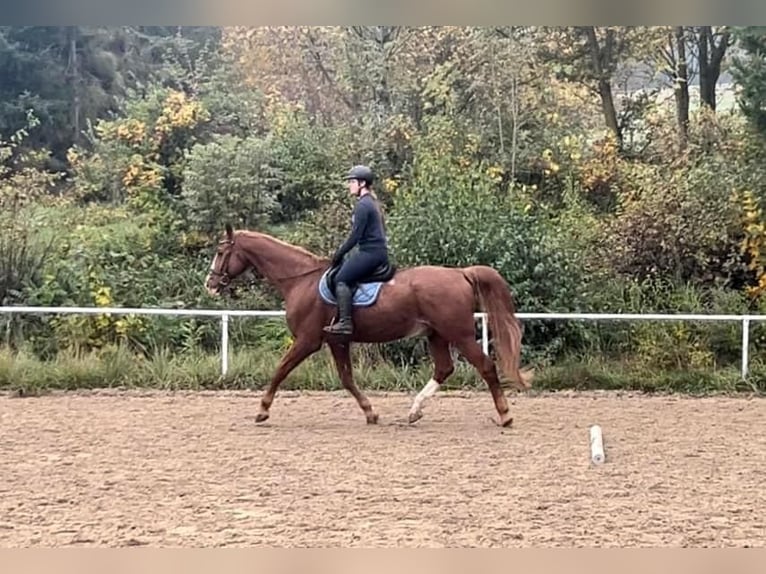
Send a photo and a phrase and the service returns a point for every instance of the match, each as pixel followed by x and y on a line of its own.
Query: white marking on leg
pixel 428 390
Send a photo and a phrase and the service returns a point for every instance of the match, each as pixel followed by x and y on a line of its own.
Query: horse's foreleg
pixel 341 354
pixel 296 354
pixel 443 368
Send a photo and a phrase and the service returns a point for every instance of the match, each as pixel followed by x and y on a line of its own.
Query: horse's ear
pixel 229 232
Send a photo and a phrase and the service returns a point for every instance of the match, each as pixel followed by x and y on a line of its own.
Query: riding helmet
pixel 361 172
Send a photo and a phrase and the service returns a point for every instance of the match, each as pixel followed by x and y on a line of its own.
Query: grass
pixel 597 374
pixel 116 367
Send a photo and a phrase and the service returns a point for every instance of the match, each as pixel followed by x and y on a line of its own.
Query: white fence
pixel 226 313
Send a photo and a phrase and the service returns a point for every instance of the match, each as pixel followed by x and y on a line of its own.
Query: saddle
pixel 380 274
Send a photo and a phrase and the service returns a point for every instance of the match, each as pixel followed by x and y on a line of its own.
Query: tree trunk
pixel 597 55
pixel 515 125
pixel 74 74
pixel 681 86
pixel 710 55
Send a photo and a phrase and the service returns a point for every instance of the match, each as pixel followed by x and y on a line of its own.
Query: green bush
pixel 232 179
pixel 452 211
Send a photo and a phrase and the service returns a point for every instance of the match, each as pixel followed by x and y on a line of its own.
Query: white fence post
pixel 484 334
pixel 745 345
pixel 224 343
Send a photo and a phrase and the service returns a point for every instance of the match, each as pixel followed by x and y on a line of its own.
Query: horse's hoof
pixel 504 421
pixel 260 417
pixel 415 417
pixel 372 419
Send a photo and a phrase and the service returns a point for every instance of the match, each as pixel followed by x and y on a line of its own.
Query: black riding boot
pixel 344 325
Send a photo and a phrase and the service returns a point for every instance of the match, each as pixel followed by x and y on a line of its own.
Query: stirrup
pixel 340 328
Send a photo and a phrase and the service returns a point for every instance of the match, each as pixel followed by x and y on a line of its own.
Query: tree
pixel 749 72
pixel 674 65
pixel 711 48
pixel 70 76
pixel 591 55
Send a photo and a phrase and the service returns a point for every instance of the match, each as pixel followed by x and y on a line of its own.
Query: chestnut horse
pixel 436 302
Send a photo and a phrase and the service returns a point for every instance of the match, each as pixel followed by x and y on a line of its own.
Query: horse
pixel 436 302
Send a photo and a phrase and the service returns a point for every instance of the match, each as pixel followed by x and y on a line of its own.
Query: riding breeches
pixel 360 265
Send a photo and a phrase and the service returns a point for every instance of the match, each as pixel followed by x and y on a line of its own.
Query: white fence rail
pixel 224 315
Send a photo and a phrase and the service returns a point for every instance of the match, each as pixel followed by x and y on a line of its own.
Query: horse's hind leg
pixel 443 368
pixel 473 353
pixel 341 354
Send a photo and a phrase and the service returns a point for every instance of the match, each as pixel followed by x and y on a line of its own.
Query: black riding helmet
pixel 361 172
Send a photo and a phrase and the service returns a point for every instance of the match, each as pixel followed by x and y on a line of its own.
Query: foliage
pixel 137 158
pixel 749 71
pixel 672 230
pixel 310 157
pixel 73 76
pixel 453 211
pixel 680 221
pixel 529 149
pixel 230 179
pixel 22 183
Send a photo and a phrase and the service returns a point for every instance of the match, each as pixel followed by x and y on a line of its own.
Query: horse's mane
pixel 297 248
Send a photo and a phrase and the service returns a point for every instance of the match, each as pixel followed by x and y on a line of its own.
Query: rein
pixel 309 272
pixel 225 280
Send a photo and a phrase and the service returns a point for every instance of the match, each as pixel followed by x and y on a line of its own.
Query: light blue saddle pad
pixel 365 294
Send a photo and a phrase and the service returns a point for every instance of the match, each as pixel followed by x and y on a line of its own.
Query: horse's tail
pixel 496 300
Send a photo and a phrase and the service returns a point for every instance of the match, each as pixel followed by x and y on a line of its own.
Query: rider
pixel 368 232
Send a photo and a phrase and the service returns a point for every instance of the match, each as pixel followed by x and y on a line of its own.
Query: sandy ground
pixel 184 469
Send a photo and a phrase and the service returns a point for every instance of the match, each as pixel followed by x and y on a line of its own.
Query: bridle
pixel 224 280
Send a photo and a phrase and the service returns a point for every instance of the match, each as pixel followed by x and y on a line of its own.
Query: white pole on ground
pixel 596 445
